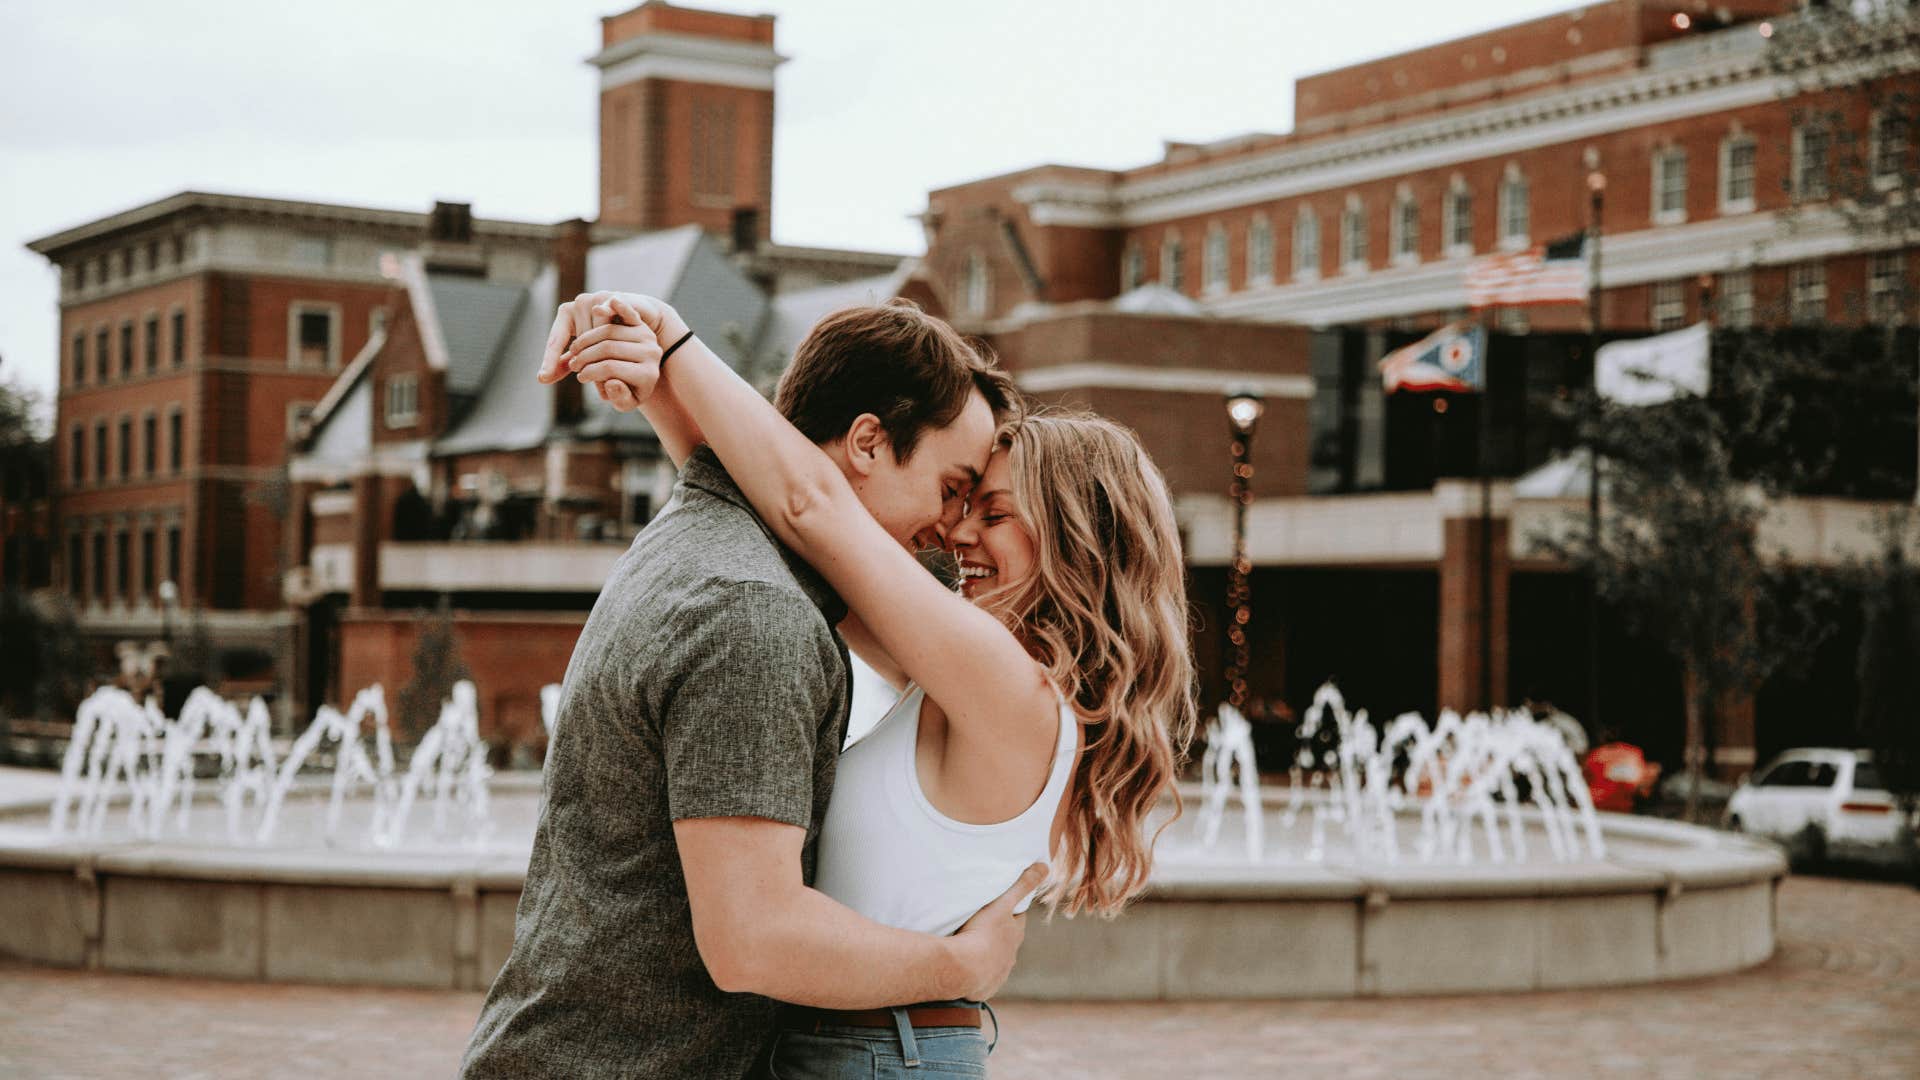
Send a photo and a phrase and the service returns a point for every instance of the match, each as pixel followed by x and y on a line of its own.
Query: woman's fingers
pixel 618 342
pixel 619 395
pixel 553 360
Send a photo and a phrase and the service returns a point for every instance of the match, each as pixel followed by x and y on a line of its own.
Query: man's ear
pixel 866 442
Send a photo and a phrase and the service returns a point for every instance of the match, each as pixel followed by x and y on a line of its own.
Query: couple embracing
pixel 716 888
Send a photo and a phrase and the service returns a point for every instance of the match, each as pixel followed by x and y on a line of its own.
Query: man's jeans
pixel 860 1053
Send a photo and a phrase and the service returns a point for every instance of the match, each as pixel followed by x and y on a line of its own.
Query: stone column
pixel 1473 593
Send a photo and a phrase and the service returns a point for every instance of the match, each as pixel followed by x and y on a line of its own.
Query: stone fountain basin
pixel 1668 901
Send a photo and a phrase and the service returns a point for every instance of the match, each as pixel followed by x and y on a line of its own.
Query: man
pixel 667 906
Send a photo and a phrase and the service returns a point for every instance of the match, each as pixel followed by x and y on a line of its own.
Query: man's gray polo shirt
pixel 708 682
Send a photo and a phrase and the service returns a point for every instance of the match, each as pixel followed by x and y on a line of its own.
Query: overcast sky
pixel 114 103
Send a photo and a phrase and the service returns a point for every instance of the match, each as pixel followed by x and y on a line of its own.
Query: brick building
pixel 1722 139
pixel 197 332
pixel 432 470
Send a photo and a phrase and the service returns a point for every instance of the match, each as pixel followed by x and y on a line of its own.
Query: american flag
pixel 1553 274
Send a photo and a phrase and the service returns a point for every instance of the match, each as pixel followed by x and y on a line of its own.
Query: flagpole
pixel 1596 188
pixel 1485 409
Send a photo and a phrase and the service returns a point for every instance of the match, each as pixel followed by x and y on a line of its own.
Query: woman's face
pixel 993 546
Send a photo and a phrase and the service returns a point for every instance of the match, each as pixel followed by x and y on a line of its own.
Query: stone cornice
pixel 1687 79
pixel 207 205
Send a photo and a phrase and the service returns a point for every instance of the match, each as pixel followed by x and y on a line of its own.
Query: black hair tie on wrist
pixel 684 338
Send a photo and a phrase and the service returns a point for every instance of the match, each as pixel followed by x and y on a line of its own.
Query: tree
pixel 1889 709
pixel 1853 70
pixel 436 667
pixel 1679 553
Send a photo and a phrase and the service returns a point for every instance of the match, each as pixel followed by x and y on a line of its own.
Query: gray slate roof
pixel 474 316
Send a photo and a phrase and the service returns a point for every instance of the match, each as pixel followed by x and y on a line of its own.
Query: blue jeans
pixel 900 1053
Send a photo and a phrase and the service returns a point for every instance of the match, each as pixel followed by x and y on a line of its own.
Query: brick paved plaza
pixel 1840 999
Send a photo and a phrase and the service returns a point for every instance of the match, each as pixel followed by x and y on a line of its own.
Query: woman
pixel 1044 707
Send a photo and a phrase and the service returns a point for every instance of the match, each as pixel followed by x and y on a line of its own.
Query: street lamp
pixel 1596 210
pixel 1243 416
pixel 169 596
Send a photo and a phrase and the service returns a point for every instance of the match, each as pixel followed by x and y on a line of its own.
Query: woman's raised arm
pixel 974 667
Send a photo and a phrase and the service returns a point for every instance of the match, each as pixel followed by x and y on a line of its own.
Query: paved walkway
pixel 1841 998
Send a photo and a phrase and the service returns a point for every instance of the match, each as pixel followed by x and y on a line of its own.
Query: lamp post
pixel 169 596
pixel 1243 416
pixel 1596 204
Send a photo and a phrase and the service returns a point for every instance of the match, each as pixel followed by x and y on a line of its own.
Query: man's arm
pixel 761 930
pixel 740 697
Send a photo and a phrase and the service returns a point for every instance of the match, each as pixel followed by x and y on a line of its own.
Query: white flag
pixel 1656 369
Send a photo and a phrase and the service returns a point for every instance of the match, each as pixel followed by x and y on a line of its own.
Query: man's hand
pixel 990 941
pixel 626 365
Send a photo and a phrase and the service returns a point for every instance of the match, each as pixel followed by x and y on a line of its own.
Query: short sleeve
pixel 740 704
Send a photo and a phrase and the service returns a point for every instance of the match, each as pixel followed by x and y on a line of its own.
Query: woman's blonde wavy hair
pixel 1105 611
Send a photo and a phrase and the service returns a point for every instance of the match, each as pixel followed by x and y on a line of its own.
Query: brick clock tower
pixel 686 120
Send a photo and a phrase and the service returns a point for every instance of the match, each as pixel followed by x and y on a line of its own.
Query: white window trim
pixel 1881 181
pixel 1396 230
pixel 1354 212
pixel 1898 291
pixel 1799 167
pixel 1449 218
pixel 1514 241
pixel 1660 216
pixel 976 285
pixel 1305 269
pixel 336 332
pixel 1728 204
pixel 1215 261
pixel 1256 274
pixel 1795 273
pixel 1738 317
pixel 1172 254
pixel 1667 305
pixel 399 418
pixel 1133 267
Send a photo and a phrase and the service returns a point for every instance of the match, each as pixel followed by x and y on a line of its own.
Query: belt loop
pixel 909 1050
pixel 996 1026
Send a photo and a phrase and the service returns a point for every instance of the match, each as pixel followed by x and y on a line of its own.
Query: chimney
pixel 449 246
pixel 746 230
pixel 571 240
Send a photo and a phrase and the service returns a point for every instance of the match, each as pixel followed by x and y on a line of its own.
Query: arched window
pixel 1213 259
pixel 1353 236
pixel 1173 262
pixel 979 287
pixel 1516 212
pixel 1260 250
pixel 1133 267
pixel 1405 227
pixel 1306 244
pixel 1457 215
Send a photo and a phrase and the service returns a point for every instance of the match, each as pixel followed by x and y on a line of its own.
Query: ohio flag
pixel 1453 357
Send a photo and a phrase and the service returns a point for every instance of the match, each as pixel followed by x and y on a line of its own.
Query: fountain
pixel 1461 855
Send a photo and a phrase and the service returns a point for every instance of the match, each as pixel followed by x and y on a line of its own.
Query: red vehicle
pixel 1617 774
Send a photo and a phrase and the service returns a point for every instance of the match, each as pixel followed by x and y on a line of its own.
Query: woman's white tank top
pixel 885 852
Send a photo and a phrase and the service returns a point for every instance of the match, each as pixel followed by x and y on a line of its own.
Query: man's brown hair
pixel 893 360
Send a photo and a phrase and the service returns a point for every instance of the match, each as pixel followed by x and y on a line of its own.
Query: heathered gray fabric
pixel 708 682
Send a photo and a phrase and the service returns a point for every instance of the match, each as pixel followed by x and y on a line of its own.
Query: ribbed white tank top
pixel 885 852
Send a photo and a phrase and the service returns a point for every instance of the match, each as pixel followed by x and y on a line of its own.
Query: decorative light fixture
pixel 1243 418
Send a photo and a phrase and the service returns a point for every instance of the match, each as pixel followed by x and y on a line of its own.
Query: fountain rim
pixel 1701 858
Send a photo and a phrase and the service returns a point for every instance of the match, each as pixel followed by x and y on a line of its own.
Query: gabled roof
pixel 474 316
pixel 513 411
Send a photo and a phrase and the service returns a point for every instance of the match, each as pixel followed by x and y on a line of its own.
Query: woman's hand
pixel 626 329
pixel 622 357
